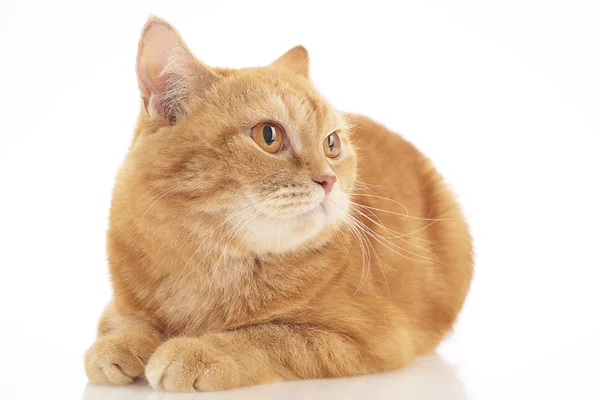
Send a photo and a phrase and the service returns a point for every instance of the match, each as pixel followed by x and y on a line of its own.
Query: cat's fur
pixel 226 269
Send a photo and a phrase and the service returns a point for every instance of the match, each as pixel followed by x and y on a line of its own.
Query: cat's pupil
pixel 269 135
pixel 330 142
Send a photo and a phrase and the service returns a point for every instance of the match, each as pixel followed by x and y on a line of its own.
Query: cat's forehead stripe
pixel 286 116
pixel 307 116
pixel 296 121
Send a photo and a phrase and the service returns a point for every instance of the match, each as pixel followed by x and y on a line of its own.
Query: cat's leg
pixel 123 348
pixel 255 355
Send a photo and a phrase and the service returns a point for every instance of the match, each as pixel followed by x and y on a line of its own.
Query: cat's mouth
pixel 315 212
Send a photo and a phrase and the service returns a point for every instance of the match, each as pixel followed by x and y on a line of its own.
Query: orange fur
pixel 226 270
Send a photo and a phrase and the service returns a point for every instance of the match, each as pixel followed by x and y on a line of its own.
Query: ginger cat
pixel 259 234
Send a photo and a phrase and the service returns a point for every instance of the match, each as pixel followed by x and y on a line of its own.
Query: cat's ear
pixel 168 74
pixel 294 61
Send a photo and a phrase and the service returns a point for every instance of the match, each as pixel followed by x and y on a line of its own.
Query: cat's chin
pixel 276 234
pixel 319 212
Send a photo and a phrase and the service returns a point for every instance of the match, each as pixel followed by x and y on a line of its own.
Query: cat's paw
pixel 192 364
pixel 110 361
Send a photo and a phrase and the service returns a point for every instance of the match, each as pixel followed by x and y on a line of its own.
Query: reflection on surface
pixel 427 378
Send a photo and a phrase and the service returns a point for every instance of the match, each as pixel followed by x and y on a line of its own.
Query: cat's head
pixel 258 147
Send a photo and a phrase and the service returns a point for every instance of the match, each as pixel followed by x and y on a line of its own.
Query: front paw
pixel 110 361
pixel 192 364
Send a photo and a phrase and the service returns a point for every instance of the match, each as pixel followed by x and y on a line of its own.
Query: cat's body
pixel 212 294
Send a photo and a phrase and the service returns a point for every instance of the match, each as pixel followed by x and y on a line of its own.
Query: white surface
pixel 504 97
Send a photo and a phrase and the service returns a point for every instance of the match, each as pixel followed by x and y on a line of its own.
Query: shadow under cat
pixel 426 378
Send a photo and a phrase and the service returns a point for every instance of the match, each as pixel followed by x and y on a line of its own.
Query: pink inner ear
pixel 157 42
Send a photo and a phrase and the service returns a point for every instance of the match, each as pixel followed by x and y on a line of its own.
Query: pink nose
pixel 326 182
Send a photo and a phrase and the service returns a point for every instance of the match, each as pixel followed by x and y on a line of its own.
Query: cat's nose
pixel 326 181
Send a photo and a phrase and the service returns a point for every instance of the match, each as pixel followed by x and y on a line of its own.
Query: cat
pixel 258 234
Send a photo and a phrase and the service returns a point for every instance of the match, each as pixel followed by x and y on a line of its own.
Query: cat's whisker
pixel 166 192
pixel 153 196
pixel 387 243
pixel 381 266
pixel 383 198
pixel 243 240
pixel 179 279
pixel 374 234
pixel 247 220
pixel 356 236
pixel 420 229
pixel 239 226
pixel 395 234
pixel 365 255
pixel 360 185
pixel 399 237
pixel 254 233
pixel 212 271
pixel 405 215
pixel 358 207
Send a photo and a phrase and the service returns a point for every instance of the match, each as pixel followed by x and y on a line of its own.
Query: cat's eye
pixel 332 145
pixel 268 136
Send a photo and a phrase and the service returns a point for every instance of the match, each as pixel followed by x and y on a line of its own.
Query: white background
pixel 503 96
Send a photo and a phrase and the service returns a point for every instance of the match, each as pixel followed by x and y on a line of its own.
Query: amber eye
pixel 268 136
pixel 332 145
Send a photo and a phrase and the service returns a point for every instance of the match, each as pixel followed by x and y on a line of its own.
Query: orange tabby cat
pixel 259 234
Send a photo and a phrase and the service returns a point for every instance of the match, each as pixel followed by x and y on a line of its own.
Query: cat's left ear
pixel 294 61
pixel 169 76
